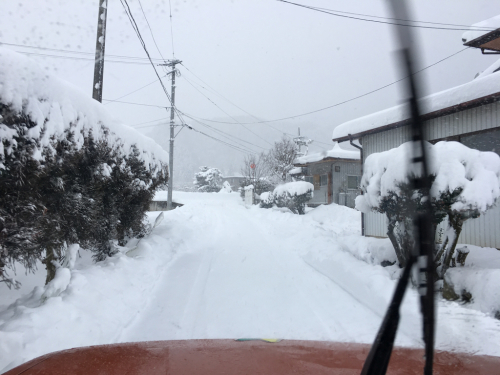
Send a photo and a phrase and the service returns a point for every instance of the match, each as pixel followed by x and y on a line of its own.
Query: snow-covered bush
pixel 226 188
pixel 465 184
pixel 69 173
pixel 294 196
pixel 208 180
pixel 266 200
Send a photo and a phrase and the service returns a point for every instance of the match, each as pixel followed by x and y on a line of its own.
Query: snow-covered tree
pixel 465 184
pixel 208 180
pixel 280 158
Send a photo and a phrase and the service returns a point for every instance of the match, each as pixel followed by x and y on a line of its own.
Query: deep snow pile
pixel 215 269
pixel 56 107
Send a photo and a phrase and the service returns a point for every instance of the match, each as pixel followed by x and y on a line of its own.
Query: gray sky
pixel 272 59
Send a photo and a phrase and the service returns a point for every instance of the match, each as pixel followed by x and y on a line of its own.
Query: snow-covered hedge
pixel 292 195
pixel 465 183
pixel 69 172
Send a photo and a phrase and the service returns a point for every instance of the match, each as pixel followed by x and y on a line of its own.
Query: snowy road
pixel 245 281
pixel 215 269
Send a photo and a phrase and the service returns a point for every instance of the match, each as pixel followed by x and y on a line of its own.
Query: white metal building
pixel 469 114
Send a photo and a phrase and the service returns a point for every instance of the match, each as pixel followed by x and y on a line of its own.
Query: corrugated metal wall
pixel 483 231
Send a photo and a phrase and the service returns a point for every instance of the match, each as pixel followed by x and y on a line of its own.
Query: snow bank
pixel 479 87
pixel 481 28
pixel 454 165
pixel 335 152
pixel 480 277
pixel 294 188
pixel 56 107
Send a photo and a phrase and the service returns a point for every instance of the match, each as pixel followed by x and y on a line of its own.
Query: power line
pixel 215 104
pixel 80 58
pixel 227 144
pixel 136 29
pixel 258 119
pixel 403 20
pixel 171 29
pixel 148 122
pixel 130 93
pixel 222 132
pixel 76 52
pixel 150 30
pixel 345 101
pixel 322 10
pixel 143 104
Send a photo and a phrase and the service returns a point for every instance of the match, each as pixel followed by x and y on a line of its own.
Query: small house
pixel 469 114
pixel 335 174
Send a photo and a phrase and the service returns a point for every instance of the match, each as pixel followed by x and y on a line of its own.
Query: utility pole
pixel 302 141
pixel 172 64
pixel 99 50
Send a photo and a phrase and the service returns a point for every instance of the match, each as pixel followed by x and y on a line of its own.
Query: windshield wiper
pixel 423 252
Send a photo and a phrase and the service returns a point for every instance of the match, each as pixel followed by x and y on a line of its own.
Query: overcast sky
pixel 272 59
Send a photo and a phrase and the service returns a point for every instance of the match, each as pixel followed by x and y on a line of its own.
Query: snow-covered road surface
pixel 215 269
pixel 242 280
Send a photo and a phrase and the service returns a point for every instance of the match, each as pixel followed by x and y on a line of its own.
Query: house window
pixel 337 168
pixel 309 179
pixel 324 180
pixel 316 182
pixel 353 182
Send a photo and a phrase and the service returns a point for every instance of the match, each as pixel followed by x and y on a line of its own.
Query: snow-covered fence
pixel 465 184
pixel 292 195
pixel 69 172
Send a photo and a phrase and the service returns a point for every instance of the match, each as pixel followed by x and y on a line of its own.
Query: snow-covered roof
pixel 495 67
pixel 481 28
pixel 335 152
pixel 56 106
pixel 295 170
pixel 478 88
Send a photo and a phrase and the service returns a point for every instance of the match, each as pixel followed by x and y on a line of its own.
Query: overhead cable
pixel 322 10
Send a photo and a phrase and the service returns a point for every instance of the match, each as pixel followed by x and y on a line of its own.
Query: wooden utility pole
pixel 171 63
pixel 99 51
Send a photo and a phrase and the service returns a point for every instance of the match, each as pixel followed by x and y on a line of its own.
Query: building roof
pixel 335 153
pixel 484 34
pixel 482 90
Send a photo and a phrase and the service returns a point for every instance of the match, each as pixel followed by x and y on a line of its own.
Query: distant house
pixel 235 181
pixel 335 175
pixel 469 114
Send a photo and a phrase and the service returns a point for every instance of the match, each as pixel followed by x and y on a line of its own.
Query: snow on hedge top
pixel 453 164
pixel 487 85
pixel 294 188
pixel 335 152
pixel 55 106
pixel 481 28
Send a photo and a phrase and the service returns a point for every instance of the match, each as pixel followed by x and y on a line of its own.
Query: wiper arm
pixel 423 253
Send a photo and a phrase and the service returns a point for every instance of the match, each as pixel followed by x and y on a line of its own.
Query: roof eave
pixel 488 99
pixel 484 39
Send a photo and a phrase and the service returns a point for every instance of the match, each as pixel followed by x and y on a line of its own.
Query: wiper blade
pixel 423 253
